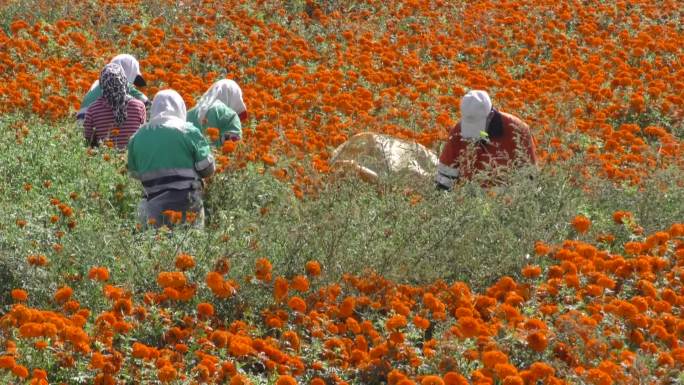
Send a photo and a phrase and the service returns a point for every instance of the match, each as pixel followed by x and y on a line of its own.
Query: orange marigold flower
pixel 396 322
pixel 63 294
pixel 219 338
pixel 98 274
pixel 621 217
pixel 239 379
pixel 665 359
pixel 633 248
pixel 432 380
pixel 581 224
pixel 313 268
pixel 238 349
pixel 19 295
pixel 172 279
pixel 280 289
pixel 205 309
pixel 20 371
pixel 493 357
pixel 531 271
pixel 175 217
pixel 37 260
pixel 297 304
pixel 42 344
pixel 469 326
pixel 453 378
pixel 300 283
pixel 286 380
pixel 263 269
pixel 7 362
pixel 541 370
pixel 292 339
pixel 540 248
pixel 65 209
pixel 599 377
pixel 97 360
pixel 513 380
pixel 421 323
pixel 166 374
pixel 184 262
pixel 537 341
pixel 347 307
pixel 228 147
pixel 140 351
pixel 213 133
pixel 505 370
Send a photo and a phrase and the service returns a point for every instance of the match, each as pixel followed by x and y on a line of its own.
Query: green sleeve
pixel 134 92
pixel 132 168
pixel 192 117
pixel 91 96
pixel 225 119
pixel 201 151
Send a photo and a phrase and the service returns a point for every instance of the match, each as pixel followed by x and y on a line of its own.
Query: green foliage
pixel 409 234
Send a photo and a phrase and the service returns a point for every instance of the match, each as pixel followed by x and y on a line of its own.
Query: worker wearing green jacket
pixel 222 108
pixel 170 156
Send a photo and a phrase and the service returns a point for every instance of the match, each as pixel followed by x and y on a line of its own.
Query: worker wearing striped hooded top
pixel 170 156
pixel 131 68
pixel 114 116
pixel 483 140
pixel 221 107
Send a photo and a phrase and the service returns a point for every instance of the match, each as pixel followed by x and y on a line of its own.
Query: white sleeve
pixel 446 176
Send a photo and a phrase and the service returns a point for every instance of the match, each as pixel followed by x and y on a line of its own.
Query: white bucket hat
pixel 475 108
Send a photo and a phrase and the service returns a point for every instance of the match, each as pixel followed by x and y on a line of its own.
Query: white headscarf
pixel 129 64
pixel 226 91
pixel 168 110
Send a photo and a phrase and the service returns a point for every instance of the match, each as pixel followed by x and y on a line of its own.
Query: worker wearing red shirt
pixel 484 139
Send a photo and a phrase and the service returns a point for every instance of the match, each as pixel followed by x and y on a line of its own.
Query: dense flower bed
pixel 598 78
pixel 592 316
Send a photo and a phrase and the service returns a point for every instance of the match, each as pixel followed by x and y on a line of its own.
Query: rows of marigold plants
pixel 603 78
pixel 589 317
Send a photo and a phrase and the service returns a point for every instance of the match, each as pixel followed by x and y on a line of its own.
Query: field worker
pixel 483 138
pixel 170 157
pixel 115 115
pixel 222 108
pixel 131 68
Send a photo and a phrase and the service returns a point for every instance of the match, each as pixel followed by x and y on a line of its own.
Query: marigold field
pixel 304 276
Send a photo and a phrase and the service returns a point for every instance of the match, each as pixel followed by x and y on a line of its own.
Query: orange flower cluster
pixel 584 317
pixel 309 88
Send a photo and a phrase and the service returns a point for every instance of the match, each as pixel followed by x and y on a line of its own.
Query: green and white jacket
pixel 169 158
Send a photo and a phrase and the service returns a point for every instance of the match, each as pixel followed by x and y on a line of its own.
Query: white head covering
pixel 226 91
pixel 129 64
pixel 475 108
pixel 168 110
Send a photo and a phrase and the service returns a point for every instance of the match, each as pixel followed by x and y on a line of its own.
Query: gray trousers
pixel 151 212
